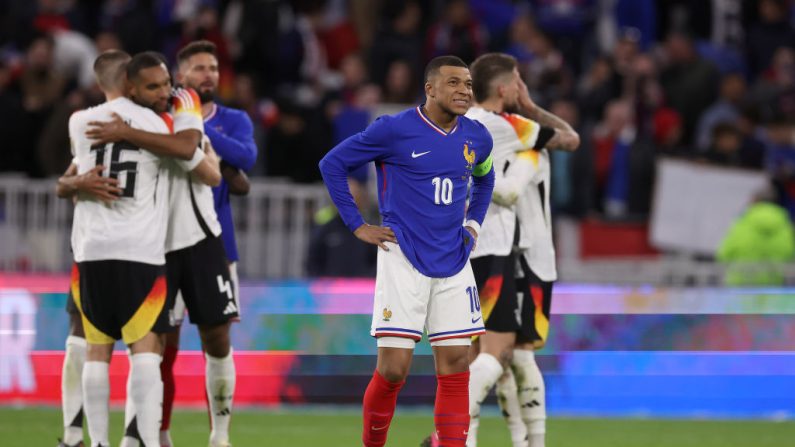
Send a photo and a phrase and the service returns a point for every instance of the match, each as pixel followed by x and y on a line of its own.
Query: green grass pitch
pixel 329 427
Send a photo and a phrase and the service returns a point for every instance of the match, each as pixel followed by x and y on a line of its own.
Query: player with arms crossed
pixel 425 159
pixel 119 282
pixel 198 277
pixel 517 231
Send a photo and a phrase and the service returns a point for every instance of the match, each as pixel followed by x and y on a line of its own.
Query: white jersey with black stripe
pixel 191 215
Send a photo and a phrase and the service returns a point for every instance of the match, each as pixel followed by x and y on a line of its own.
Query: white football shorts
pixel 408 302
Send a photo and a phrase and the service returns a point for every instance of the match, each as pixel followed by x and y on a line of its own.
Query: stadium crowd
pixel 712 81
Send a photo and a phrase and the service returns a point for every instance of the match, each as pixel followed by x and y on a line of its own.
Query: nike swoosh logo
pixel 374 428
pixel 416 155
pixel 475 320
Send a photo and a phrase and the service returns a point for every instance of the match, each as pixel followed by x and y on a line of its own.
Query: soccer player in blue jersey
pixel 426 157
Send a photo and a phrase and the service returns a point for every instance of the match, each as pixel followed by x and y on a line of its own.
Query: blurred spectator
pixel 757 246
pixel 106 40
pixel 725 109
pixel 596 88
pixel 726 146
pixel 568 23
pixel 74 56
pixel 618 16
pixel 561 161
pixel 398 39
pixel 42 85
pixel 612 140
pixel 774 91
pixel 52 151
pixel 771 32
pixel 456 33
pixel 333 250
pixel 689 82
pixel 540 64
pixel 401 86
pixel 132 21
pixel 15 141
pixel 667 133
pixel 780 160
pixel 338 33
pixel 300 134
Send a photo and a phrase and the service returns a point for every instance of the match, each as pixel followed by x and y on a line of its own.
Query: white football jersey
pixel 191 207
pixel 515 137
pixel 511 134
pixel 132 228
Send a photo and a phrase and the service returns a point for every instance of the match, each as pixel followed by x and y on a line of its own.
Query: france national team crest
pixel 470 157
pixel 387 314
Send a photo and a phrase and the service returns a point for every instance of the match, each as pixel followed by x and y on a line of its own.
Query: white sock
pixel 483 374
pixel 129 413
pixel 72 389
pixel 507 397
pixel 96 397
pixel 220 383
pixel 146 390
pixel 532 399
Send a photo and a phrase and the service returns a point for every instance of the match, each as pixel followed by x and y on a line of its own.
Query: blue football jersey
pixel 423 178
pixel 232 136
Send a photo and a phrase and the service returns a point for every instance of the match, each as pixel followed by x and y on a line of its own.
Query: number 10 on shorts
pixel 474 299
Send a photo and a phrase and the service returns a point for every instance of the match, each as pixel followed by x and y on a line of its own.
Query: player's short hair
pixel 144 60
pixel 442 61
pixel 196 47
pixel 110 67
pixel 486 69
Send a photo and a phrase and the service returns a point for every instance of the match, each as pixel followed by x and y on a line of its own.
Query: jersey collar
pixel 212 113
pixel 434 126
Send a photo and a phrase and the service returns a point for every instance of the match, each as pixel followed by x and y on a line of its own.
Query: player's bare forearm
pixel 564 140
pixel 181 145
pixel 67 183
pixel 239 184
pixel 91 183
pixel 209 170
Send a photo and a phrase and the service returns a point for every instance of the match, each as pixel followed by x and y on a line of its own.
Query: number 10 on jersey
pixel 443 190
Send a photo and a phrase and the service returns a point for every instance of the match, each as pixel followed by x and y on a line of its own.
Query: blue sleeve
pixel 366 146
pixel 482 182
pixel 238 148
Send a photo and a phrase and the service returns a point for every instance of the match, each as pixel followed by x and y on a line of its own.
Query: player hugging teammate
pixel 146 236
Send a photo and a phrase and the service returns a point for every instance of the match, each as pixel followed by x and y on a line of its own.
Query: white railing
pixel 273 225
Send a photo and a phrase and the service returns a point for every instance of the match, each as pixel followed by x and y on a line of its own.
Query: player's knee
pixel 506 356
pixel 393 373
pixel 215 340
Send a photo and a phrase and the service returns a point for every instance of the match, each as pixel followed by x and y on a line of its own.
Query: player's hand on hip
pixel 103 188
pixel 375 235
pixel 107 131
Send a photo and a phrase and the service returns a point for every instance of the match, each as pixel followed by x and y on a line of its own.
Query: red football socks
pixel 379 407
pixel 451 412
pixel 167 373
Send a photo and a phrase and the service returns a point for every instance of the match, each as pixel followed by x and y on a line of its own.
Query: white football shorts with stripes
pixel 408 302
